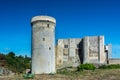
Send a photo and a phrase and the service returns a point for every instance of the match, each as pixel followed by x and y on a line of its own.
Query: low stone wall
pixel 114 61
pixel 5 71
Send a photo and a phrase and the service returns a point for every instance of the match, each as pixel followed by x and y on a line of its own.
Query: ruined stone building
pixel 90 49
pixel 68 52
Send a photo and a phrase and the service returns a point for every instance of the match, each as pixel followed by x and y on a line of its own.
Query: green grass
pixel 86 67
pixel 28 76
pixel 112 66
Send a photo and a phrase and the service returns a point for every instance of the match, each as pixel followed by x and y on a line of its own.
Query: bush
pixel 112 66
pixel 86 67
pixel 28 76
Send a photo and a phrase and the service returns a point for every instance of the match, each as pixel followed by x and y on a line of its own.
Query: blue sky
pixel 75 19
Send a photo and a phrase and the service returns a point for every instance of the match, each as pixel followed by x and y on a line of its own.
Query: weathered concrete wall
pixel 90 49
pixel 114 61
pixel 68 52
pixel 85 49
pixel 102 55
pixel 43 45
pixel 59 53
pixel 93 49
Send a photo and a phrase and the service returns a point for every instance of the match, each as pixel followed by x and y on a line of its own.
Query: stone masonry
pixel 43 44
pixel 68 52
pixel 72 52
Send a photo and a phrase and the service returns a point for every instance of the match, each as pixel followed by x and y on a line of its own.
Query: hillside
pixel 12 63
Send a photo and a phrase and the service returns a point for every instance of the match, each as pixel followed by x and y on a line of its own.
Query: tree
pixel 17 63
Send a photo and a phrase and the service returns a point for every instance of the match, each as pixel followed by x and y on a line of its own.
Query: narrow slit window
pixel 48 25
pixel 49 48
pixel 43 39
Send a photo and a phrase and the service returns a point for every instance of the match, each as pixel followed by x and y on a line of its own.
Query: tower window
pixel 43 39
pixel 49 48
pixel 48 25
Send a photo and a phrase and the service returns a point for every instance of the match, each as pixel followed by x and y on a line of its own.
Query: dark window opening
pixel 48 25
pixel 49 48
pixel 43 39
pixel 65 46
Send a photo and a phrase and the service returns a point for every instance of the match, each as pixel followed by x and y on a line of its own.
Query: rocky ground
pixel 99 74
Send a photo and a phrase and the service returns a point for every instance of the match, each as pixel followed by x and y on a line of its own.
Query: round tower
pixel 43 44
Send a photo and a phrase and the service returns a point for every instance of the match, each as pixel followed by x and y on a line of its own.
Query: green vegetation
pixel 17 64
pixel 86 67
pixel 64 71
pixel 83 68
pixel 76 71
pixel 112 66
pixel 28 76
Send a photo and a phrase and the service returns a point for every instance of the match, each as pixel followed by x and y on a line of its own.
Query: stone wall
pixel 93 49
pixel 114 61
pixel 68 52
pixel 72 52
pixel 5 71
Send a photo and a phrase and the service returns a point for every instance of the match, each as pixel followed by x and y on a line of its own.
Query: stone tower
pixel 43 44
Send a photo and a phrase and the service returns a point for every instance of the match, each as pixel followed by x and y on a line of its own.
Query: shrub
pixel 112 66
pixel 86 67
pixel 28 76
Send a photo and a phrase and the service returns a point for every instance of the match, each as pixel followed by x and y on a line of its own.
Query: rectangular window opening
pixel 48 25
pixel 65 46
